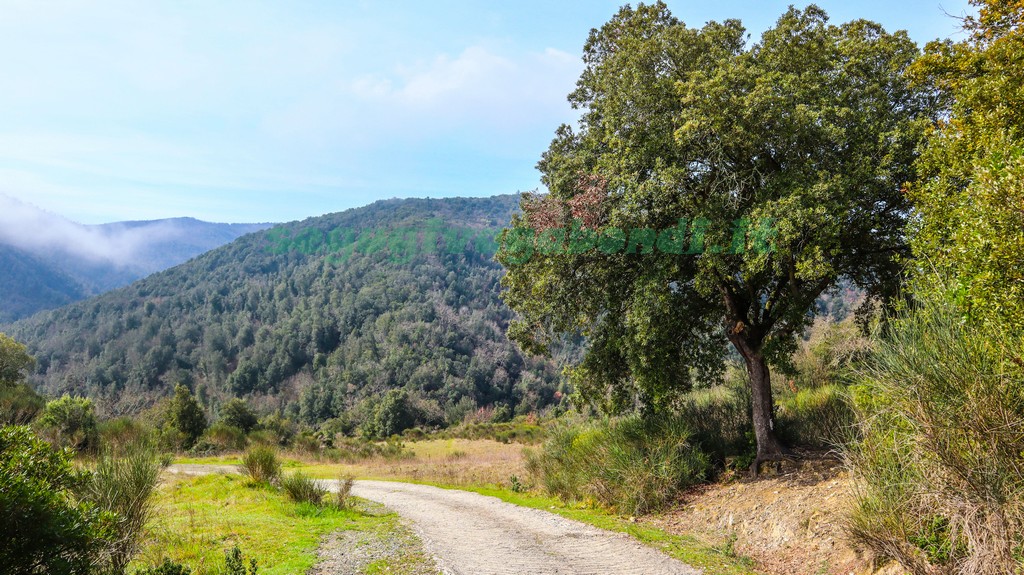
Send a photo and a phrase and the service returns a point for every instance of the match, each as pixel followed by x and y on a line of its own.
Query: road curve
pixel 472 534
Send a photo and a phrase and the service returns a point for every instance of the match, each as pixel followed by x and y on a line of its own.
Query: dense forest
pixel 312 318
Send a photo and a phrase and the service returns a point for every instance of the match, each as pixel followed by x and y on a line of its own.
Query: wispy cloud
pixel 36 230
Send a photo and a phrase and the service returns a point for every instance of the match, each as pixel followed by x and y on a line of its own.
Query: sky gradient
pixel 255 111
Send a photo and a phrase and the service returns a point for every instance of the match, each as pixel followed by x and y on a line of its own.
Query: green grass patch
pixel 197 519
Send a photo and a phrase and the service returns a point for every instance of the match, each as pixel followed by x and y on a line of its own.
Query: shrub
pixel 121 433
pixel 302 488
pixel 19 404
pixel 70 422
pixel 345 484
pixel 237 413
pixel 276 429
pixel 122 484
pixel 45 528
pixel 185 415
pixel 261 464
pixel 234 563
pixel 939 470
pixel 632 464
pixel 393 415
pixel 220 437
pixel 168 567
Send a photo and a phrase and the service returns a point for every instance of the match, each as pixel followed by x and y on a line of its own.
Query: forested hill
pixel 312 317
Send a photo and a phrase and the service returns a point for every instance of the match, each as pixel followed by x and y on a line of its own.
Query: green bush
pixel 121 433
pixel 302 488
pixel 939 468
pixel 70 422
pixel 19 404
pixel 122 484
pixel 46 528
pixel 632 464
pixel 391 416
pixel 168 567
pixel 261 464
pixel 220 437
pixel 185 415
pixel 235 564
pixel 237 413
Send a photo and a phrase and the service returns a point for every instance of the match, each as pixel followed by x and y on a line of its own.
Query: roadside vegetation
pixel 883 328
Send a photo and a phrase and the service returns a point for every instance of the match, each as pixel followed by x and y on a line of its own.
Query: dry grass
pixel 464 462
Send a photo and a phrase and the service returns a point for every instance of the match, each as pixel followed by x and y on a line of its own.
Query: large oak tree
pixel 813 129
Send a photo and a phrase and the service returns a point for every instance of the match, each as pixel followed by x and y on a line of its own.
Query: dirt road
pixel 472 534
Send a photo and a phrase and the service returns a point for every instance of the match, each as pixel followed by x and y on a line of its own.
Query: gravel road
pixel 472 534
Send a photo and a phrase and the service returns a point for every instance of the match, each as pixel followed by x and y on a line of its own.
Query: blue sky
pixel 273 111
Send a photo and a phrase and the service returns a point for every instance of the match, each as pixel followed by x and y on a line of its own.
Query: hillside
pixel 311 317
pixel 50 261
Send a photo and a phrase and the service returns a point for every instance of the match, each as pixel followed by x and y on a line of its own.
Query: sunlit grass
pixel 196 519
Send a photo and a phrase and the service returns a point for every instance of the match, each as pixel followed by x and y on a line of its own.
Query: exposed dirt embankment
pixel 790 523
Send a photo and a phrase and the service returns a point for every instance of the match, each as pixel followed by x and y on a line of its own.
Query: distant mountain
pixel 317 318
pixel 47 261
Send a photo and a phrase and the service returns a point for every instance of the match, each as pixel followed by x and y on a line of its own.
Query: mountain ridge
pixel 314 318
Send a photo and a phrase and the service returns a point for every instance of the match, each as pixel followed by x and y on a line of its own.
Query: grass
pixel 485 467
pixel 197 519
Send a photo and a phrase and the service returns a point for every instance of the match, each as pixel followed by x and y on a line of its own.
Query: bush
pixel 345 484
pixel 70 422
pixel 237 413
pixel 46 529
pixel 939 471
pixel 220 437
pixel 234 563
pixel 19 404
pixel 121 433
pixel 393 415
pixel 301 488
pixel 122 484
pixel 632 465
pixel 186 416
pixel 261 464
pixel 168 567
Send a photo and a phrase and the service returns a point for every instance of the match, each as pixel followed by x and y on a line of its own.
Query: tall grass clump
pixel 302 488
pixel 939 468
pixel 631 464
pixel 261 464
pixel 818 417
pixel 720 420
pixel 345 484
pixel 122 484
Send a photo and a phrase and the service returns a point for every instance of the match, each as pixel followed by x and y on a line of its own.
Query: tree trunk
pixel 769 448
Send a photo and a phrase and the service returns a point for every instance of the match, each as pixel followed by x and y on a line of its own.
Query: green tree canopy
pixel 970 225
pixel 15 362
pixel 813 130
pixel 237 413
pixel 186 415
